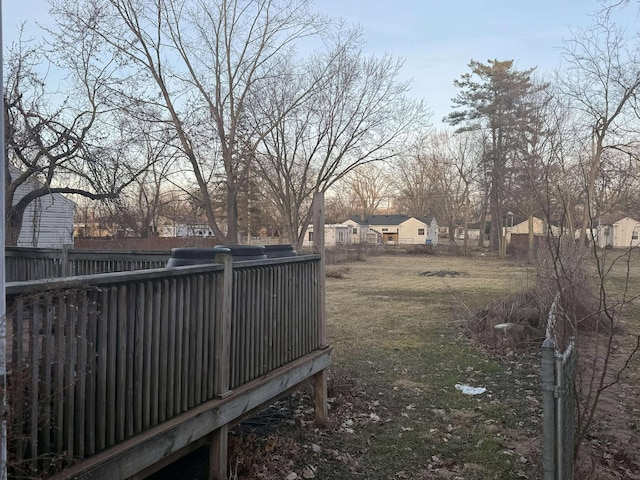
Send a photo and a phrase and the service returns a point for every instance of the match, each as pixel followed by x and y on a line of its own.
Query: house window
pixel 385 229
pixel 421 231
pixel 390 238
pixel 606 231
pixel 311 236
pixel 634 235
pixel 355 231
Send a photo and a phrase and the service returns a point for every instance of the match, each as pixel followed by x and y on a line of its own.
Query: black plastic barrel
pixel 279 251
pixel 194 256
pixel 246 252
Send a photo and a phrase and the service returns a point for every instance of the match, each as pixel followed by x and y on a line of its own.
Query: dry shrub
pixel 338 272
pixel 568 270
pixel 521 312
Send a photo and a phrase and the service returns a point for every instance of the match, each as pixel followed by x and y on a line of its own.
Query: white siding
pixel 413 231
pixel 620 234
pixel 47 221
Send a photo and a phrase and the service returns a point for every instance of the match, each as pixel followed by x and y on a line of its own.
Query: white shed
pixel 47 221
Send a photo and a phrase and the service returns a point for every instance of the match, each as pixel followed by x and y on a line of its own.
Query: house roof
pixel 611 218
pixel 373 220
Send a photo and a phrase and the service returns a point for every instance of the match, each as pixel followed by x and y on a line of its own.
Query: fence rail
pixel 559 401
pixel 25 264
pixel 98 359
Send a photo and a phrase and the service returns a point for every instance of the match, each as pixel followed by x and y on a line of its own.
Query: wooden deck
pixel 112 373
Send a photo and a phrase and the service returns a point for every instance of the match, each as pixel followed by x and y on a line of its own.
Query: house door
pixel 391 238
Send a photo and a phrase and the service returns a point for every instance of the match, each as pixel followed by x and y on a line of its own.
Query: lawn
pixel 394 408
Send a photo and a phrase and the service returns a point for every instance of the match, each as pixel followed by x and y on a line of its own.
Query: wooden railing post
pixel 318 248
pixel 219 438
pixel 65 265
pixel 320 378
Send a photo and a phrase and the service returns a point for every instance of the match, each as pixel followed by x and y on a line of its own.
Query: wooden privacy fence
pixel 96 360
pixel 24 264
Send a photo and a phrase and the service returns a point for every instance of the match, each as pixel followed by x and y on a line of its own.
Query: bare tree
pixel 57 142
pixel 417 182
pixel 600 82
pixel 360 115
pixel 138 208
pixel 201 63
pixel 370 187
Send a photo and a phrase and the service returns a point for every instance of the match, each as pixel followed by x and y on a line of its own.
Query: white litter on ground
pixel 468 390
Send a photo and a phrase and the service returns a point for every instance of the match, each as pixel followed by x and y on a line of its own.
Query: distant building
pixel 393 229
pixel 335 234
pixel 616 230
pixel 47 220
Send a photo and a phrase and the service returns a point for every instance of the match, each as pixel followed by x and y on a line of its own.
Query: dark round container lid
pixel 243 250
pixel 193 252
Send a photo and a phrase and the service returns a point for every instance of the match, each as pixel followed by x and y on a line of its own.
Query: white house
pixel 394 229
pixel 540 227
pixel 335 234
pixel 616 231
pixel 47 220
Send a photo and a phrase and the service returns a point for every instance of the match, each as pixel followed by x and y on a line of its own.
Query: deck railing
pixel 98 359
pixel 25 264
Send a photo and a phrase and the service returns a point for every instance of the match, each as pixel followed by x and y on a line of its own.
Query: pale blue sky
pixel 436 38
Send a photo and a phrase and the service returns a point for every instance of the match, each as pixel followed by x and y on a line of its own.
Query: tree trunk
pixel 13 226
pixel 531 250
pixel 465 243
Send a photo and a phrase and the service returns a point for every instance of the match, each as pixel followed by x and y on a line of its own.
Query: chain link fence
pixel 559 399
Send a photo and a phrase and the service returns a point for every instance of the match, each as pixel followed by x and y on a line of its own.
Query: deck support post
pixel 218 453
pixel 320 397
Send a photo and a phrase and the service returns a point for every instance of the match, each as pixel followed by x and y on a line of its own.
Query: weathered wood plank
pixel 70 319
pixel 164 352
pixel 103 371
pixel 34 395
pixel 222 337
pixel 155 354
pixel 319 249
pixel 48 345
pixel 81 372
pixel 171 350
pixel 146 346
pixel 199 337
pixel 179 341
pixel 320 397
pixel 137 453
pixel 121 364
pixel 138 367
pixel 186 339
pixel 218 453
pixel 59 385
pixel 92 372
pixel 132 297
pixel 112 332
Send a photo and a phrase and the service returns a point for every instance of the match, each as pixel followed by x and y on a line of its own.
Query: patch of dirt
pixel 442 273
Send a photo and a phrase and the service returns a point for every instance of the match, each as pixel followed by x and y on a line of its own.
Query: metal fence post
pixel 548 407
pixel 559 416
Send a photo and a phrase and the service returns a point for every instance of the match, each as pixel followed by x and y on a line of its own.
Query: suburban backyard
pixel 394 410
